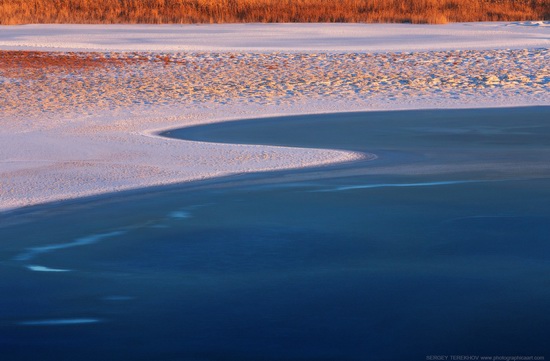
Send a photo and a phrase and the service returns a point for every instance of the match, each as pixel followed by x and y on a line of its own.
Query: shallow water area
pixel 439 246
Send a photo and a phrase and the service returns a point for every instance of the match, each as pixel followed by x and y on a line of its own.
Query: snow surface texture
pixel 76 124
pixel 276 37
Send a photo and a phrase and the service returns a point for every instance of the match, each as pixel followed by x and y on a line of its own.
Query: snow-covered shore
pixel 71 132
pixel 277 37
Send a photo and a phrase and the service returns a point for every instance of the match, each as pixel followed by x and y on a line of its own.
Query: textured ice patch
pixel 179 214
pixel 59 322
pixel 46 269
pixel 387 185
pixel 30 253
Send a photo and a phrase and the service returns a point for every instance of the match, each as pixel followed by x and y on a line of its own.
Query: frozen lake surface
pixel 439 246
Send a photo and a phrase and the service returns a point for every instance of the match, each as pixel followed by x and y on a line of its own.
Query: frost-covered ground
pixel 75 124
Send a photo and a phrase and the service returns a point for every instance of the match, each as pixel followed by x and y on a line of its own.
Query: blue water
pixel 441 246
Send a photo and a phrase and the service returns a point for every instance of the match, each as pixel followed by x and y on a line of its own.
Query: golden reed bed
pixel 237 11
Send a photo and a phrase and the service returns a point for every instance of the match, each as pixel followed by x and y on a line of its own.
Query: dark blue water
pixel 441 246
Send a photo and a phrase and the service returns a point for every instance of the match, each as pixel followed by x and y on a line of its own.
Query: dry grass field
pixel 239 11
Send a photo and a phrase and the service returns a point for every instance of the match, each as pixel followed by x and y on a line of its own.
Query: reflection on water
pixel 438 247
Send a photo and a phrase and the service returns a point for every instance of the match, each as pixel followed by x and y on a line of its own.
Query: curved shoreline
pixel 260 177
pixel 94 136
pixel 91 117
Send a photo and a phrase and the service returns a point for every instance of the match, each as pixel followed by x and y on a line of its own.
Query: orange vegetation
pixel 33 64
pixel 237 11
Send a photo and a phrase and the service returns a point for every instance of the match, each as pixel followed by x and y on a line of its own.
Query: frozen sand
pixel 90 132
